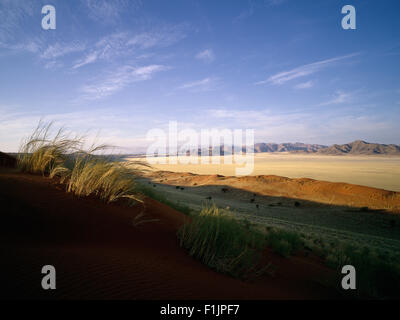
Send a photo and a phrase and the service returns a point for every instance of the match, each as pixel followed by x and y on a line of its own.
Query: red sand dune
pixel 334 193
pixel 98 253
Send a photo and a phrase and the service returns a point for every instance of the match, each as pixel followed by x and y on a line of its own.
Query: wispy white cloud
pixel 120 44
pixel 118 80
pixel 205 84
pixel 16 32
pixel 333 126
pixel 89 58
pixel 248 118
pixel 269 125
pixel 53 64
pixel 52 54
pixel 305 70
pixel 339 97
pixel 32 45
pixel 105 125
pixel 110 46
pixel 13 13
pixel 304 85
pixel 206 55
pixel 163 36
pixel 109 11
pixel 16 23
pixel 61 49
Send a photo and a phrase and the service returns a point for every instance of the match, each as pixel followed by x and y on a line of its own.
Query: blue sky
pixel 284 68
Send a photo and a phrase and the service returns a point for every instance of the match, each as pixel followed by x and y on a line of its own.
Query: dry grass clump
pixel 223 243
pixel 283 242
pixel 42 154
pixel 84 172
pixel 107 180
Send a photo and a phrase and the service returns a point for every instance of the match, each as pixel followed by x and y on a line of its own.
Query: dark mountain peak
pixel 355 147
pixel 362 147
pixel 287 147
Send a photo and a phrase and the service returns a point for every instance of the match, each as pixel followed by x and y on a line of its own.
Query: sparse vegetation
pixel 378 272
pixel 42 154
pixel 107 180
pixel 223 243
pixel 151 193
pixel 84 173
pixel 234 246
pixel 283 242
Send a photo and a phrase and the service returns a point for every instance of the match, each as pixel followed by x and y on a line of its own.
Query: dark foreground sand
pixel 99 254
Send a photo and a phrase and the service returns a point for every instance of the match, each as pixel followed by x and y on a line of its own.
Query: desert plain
pixel 380 171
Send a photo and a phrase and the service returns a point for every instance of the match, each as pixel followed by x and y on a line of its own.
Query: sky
pixel 285 68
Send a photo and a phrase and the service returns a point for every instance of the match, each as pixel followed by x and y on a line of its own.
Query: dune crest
pixel 335 193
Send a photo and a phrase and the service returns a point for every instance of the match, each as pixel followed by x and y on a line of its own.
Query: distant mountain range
pixel 362 147
pixel 356 147
pixel 287 147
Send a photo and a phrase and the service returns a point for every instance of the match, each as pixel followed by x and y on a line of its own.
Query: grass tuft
pixel 84 172
pixel 110 181
pixel 44 155
pixel 283 242
pixel 222 243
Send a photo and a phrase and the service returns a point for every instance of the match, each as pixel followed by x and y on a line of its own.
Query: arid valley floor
pixel 350 198
pixel 380 171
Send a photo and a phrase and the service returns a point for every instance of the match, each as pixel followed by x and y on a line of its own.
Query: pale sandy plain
pixel 331 210
pixel 381 172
